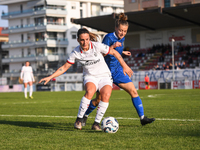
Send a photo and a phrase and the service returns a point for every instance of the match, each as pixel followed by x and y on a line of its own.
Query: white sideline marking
pixel 120 118
pixel 18 103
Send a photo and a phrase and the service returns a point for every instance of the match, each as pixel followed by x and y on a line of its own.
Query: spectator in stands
pixel 154 68
pixel 157 67
pixel 167 68
pixel 163 67
pixel 175 66
pixel 170 66
pixel 179 65
pixel 183 66
pixel 180 58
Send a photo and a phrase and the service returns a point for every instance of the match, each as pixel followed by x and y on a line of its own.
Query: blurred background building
pixel 40 31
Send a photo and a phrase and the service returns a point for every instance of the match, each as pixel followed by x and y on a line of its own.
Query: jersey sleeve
pixel 32 76
pixel 104 49
pixel 31 69
pixel 72 57
pixel 22 72
pixel 107 41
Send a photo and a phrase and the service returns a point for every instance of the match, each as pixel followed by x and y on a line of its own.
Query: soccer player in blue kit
pixel 122 80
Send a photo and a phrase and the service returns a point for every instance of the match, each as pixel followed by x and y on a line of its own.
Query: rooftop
pixel 155 19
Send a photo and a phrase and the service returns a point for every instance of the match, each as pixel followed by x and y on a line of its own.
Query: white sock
pixel 142 117
pixel 83 107
pixel 30 90
pixel 25 92
pixel 101 111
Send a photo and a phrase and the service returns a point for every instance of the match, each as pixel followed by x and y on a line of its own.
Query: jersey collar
pixel 115 35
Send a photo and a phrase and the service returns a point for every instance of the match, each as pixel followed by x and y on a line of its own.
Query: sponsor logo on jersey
pixel 89 62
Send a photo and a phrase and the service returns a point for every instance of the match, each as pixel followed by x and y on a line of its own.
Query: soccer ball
pixel 110 125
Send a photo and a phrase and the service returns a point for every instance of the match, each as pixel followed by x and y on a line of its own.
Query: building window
pixel 73 5
pixel 21 8
pixel 39 51
pixel 81 13
pixel 22 38
pixel 22 52
pixel 29 51
pixel 73 35
pixel 167 3
pixel 81 4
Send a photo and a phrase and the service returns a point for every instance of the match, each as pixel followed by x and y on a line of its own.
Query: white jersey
pixel 27 74
pixel 92 60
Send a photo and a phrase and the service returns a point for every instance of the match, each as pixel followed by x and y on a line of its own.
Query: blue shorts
pixel 119 77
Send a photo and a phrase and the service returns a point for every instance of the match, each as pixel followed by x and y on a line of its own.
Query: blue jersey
pixel 111 61
pixel 113 64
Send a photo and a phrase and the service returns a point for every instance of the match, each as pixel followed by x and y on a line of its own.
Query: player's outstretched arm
pixel 60 71
pixel 125 67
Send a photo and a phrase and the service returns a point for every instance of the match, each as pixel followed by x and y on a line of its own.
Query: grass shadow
pixel 40 125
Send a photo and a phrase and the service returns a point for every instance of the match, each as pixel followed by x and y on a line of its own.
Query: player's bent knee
pixel 134 93
pixel 106 96
pixel 89 94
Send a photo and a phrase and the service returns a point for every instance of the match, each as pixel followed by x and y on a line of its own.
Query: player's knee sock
pixel 31 90
pixel 83 107
pixel 137 102
pixel 102 107
pixel 25 92
pixel 90 109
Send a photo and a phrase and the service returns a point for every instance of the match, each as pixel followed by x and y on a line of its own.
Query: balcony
pixel 50 26
pixel 149 3
pixel 49 42
pixel 34 58
pixel 49 11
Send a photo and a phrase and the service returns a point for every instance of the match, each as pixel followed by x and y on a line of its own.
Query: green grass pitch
pixel 46 122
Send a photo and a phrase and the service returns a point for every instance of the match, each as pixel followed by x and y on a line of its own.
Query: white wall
pixel 74 13
pixel 149 38
pixel 15 52
pixel 16 66
pixel 14 37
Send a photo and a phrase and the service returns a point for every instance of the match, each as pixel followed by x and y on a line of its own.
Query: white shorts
pixel 27 79
pixel 99 81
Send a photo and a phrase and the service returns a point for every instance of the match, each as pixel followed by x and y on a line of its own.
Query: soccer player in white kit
pixel 96 73
pixel 27 78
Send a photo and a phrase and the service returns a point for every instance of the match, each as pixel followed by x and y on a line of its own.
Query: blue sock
pixel 137 102
pixel 90 108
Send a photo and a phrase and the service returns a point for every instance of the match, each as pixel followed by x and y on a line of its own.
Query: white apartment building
pixel 40 31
